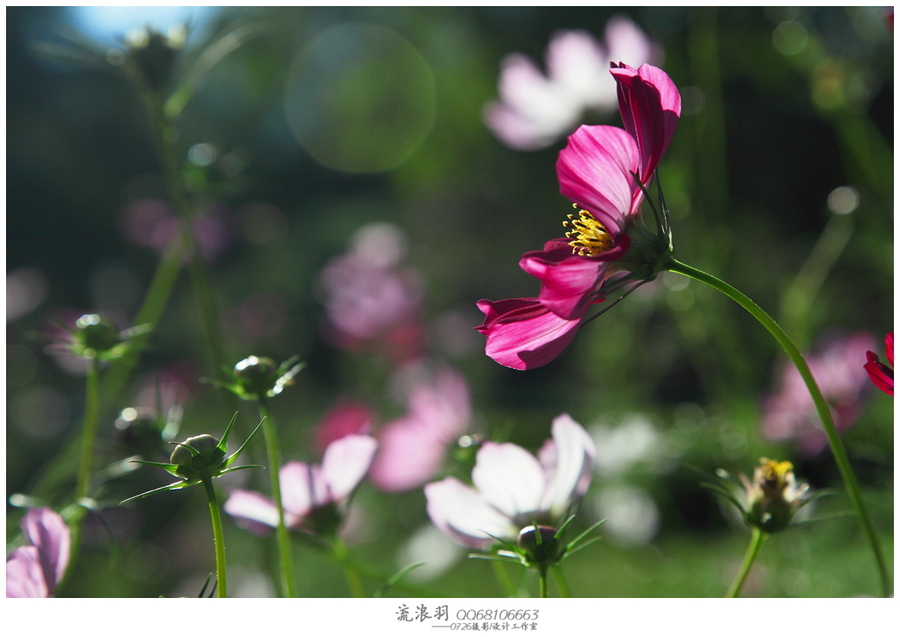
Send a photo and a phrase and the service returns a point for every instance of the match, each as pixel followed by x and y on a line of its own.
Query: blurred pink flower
pixel 35 570
pixel 314 497
pixel 596 171
pixel 879 373
pixel 412 448
pixel 535 109
pixel 343 420
pixel 369 298
pixel 791 414
pixel 153 223
pixel 513 489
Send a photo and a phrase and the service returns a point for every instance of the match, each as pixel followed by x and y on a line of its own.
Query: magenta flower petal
pixel 595 171
pixel 24 574
pixel 650 105
pixel 509 478
pixel 462 514
pixel 523 333
pixel 889 347
pixel 345 464
pixel 880 374
pixel 569 281
pixel 48 532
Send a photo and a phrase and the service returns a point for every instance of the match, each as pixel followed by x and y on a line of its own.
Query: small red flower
pixel 880 374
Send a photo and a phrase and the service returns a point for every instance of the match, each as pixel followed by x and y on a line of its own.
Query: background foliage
pixel 781 106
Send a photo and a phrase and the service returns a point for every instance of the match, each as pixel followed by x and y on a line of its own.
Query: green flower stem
pixel 542 579
pixel 560 580
pixel 834 440
pixel 273 456
pixel 166 142
pixel 85 468
pixel 218 538
pixel 756 541
pixel 503 577
pixel 150 311
pixel 350 572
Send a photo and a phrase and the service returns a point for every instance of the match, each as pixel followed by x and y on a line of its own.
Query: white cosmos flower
pixel 513 489
pixel 535 110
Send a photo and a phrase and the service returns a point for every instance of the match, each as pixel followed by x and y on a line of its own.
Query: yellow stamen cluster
pixel 773 473
pixel 588 236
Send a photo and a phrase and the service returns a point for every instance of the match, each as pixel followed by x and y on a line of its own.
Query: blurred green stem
pixel 218 538
pixel 756 541
pixel 542 579
pixel 834 440
pixel 85 468
pixel 798 298
pixel 273 458
pixel 560 581
pixel 166 136
pixel 350 572
pixel 503 577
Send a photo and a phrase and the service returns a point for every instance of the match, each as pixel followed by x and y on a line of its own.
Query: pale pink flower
pixel 412 448
pixel 36 569
pixel 791 413
pixel 535 109
pixel 513 489
pixel 314 497
pixel 368 297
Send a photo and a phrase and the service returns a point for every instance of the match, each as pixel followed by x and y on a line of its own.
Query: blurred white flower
pixel 513 489
pixel 634 440
pixel 535 110
pixel 632 516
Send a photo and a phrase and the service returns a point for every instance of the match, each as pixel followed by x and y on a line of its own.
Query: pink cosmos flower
pixel 369 298
pixel 791 413
pixel 513 489
pixel 535 109
pixel 342 420
pixel 879 373
pixel 596 171
pixel 412 448
pixel 35 570
pixel 314 497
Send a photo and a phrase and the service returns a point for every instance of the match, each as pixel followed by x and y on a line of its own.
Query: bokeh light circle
pixel 360 98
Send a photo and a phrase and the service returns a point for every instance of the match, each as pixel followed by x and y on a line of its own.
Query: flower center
pixel 774 473
pixel 588 236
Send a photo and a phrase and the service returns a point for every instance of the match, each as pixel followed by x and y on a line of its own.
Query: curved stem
pixel 834 440
pixel 350 572
pixel 273 459
pixel 756 542
pixel 218 538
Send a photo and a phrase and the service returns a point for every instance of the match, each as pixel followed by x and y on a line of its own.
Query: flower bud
pixel 140 430
pixel 540 545
pixel 197 455
pixel 94 335
pixel 256 376
pixel 155 55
